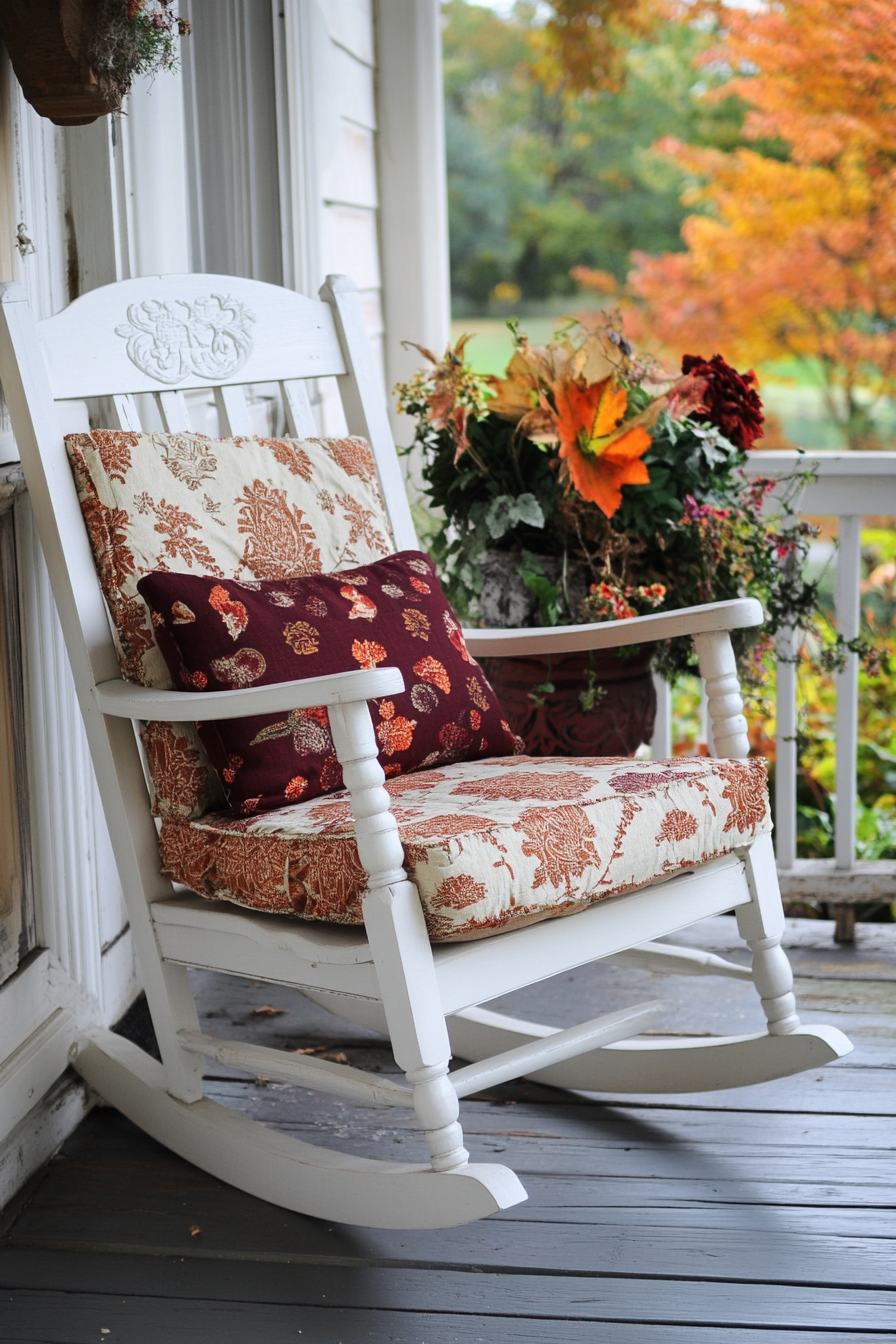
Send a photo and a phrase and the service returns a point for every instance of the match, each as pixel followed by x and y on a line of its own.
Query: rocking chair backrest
pixel 164 335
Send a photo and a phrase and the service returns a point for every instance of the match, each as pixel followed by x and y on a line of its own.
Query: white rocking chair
pixel 387 975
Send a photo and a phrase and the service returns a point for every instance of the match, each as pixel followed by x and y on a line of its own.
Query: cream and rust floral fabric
pixel 490 844
pixel 240 508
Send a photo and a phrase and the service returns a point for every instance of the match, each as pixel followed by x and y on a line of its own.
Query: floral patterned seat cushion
pixel 239 508
pixel 489 844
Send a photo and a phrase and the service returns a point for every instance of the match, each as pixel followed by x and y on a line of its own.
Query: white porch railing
pixel 849 486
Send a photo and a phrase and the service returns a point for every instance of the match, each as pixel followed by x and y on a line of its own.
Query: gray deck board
pixel 54 1317
pixel 763 1213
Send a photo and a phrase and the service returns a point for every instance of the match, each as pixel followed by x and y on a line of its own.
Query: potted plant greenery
pixel 588 484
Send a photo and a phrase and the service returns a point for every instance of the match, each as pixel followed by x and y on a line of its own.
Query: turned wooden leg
pixel 393 918
pixel 437 1107
pixel 773 978
pixel 761 925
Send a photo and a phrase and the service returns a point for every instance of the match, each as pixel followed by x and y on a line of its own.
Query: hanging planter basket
pixel 45 40
pixel 76 59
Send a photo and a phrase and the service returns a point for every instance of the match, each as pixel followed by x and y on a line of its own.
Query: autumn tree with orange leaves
pixel 794 257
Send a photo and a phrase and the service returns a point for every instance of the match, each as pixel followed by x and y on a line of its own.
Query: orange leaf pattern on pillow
pixel 280 543
pixel 175 526
pixel 177 770
pixel 394 733
pixel 362 607
pixel 114 448
pixel 362 529
pixel 291 455
pixel 417 624
pixel 233 614
pixel 353 456
pixel 240 668
pixel 367 652
pixel 302 637
pixel 430 669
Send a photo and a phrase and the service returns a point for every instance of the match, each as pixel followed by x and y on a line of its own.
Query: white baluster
pixel 396 928
pixel 787 649
pixel 847 605
pixel 661 742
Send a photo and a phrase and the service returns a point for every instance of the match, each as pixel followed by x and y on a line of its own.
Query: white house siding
pixel 349 189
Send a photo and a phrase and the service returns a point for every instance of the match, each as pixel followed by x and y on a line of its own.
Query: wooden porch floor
pixel 763 1214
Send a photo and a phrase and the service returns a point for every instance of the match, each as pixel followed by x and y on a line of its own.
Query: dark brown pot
pixel 45 39
pixel 620 722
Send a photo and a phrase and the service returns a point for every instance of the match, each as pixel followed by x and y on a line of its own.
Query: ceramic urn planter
pixel 555 723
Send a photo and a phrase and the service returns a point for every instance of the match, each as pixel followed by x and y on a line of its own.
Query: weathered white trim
pixel 153 136
pixel 46 1126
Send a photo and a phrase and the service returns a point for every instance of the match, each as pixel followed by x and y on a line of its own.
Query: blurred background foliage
pixel 541 181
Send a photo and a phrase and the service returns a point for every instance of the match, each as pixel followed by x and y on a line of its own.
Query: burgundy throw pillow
pixel 216 634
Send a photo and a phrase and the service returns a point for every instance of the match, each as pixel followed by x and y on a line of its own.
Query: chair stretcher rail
pixel 556 1048
pixel 301 1070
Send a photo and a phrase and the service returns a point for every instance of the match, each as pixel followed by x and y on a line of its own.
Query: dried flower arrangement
pixel 610 487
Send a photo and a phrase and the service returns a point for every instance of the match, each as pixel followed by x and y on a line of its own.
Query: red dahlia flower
pixel 730 400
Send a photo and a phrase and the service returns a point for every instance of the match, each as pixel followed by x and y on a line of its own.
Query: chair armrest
pixel 714 616
pixel 121 699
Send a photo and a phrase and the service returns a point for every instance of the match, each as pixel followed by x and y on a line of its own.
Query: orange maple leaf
pixel 600 458
pixel 367 652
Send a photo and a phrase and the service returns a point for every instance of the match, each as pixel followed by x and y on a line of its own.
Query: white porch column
pixel 413 202
pixel 154 135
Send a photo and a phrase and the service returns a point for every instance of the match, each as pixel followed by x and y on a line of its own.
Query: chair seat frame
pixel 387 975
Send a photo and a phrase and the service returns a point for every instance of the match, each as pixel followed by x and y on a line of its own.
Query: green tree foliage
pixel 541 181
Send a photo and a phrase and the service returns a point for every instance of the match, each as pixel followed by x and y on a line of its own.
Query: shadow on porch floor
pixel 760 1214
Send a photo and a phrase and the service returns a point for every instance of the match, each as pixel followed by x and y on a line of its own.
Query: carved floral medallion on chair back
pixel 240 508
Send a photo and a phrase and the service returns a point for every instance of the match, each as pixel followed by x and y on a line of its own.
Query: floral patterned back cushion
pixel 217 635
pixel 241 508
